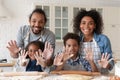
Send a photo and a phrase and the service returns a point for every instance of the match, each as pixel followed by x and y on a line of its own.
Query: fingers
pixel 36 55
pixel 58 59
pixel 102 56
pixel 40 60
pixel 23 53
pixel 105 56
pixel 46 45
pixel 12 42
pixel 71 55
pixel 39 54
pixel 58 56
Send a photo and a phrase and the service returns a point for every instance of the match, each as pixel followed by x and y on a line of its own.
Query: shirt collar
pixel 96 37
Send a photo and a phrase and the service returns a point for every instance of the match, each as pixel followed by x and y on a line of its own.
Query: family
pixel 86 49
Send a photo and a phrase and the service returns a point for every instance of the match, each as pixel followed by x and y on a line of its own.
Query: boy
pixel 70 58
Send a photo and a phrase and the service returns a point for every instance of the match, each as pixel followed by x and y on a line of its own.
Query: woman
pixel 89 25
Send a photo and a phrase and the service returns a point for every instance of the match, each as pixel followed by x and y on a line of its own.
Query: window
pixel 59 17
pixel 61 21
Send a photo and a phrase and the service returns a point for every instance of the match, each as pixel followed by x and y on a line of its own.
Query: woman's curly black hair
pixel 95 15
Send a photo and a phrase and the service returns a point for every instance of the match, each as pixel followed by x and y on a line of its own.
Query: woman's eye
pixel 83 23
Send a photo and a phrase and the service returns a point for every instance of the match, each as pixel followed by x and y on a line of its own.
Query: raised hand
pixel 48 51
pixel 13 48
pixel 40 59
pixel 104 60
pixel 89 54
pixel 67 55
pixel 58 61
pixel 22 57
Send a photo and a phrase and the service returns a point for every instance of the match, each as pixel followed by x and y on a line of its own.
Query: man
pixel 32 32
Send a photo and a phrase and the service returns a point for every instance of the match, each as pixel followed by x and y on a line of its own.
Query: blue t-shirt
pixel 33 67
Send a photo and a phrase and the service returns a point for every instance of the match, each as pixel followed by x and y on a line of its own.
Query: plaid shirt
pixel 78 64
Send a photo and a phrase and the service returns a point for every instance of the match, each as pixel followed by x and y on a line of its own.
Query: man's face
pixel 37 22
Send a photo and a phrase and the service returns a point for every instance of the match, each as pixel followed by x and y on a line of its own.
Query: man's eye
pixel 33 21
pixel 68 45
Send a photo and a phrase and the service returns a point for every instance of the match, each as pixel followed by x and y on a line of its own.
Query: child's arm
pixel 89 58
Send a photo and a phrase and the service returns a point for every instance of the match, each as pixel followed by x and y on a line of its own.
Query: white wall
pixel 20 10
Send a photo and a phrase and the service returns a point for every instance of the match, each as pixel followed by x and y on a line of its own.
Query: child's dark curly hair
pixel 71 36
pixel 95 15
pixel 37 43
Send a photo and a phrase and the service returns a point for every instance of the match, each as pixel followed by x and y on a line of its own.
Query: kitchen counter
pixel 54 75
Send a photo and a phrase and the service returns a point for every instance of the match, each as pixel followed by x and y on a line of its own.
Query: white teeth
pixel 86 30
pixel 36 28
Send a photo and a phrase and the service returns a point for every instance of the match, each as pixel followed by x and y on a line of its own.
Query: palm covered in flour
pixel 22 57
pixel 58 60
pixel 40 59
pixel 48 51
pixel 43 57
pixel 89 54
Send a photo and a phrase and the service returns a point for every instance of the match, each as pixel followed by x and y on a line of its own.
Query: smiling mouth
pixel 37 28
pixel 86 30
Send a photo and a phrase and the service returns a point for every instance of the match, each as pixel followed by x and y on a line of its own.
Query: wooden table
pixel 6 67
pixel 77 72
pixel 53 72
pixel 6 64
pixel 36 75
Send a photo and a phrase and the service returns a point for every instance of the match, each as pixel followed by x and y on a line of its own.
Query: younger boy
pixel 70 58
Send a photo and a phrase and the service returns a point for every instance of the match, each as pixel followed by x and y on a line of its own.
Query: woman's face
pixel 87 25
pixel 72 47
pixel 37 22
pixel 32 49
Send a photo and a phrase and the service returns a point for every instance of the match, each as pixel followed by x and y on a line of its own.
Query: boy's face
pixel 32 50
pixel 72 46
